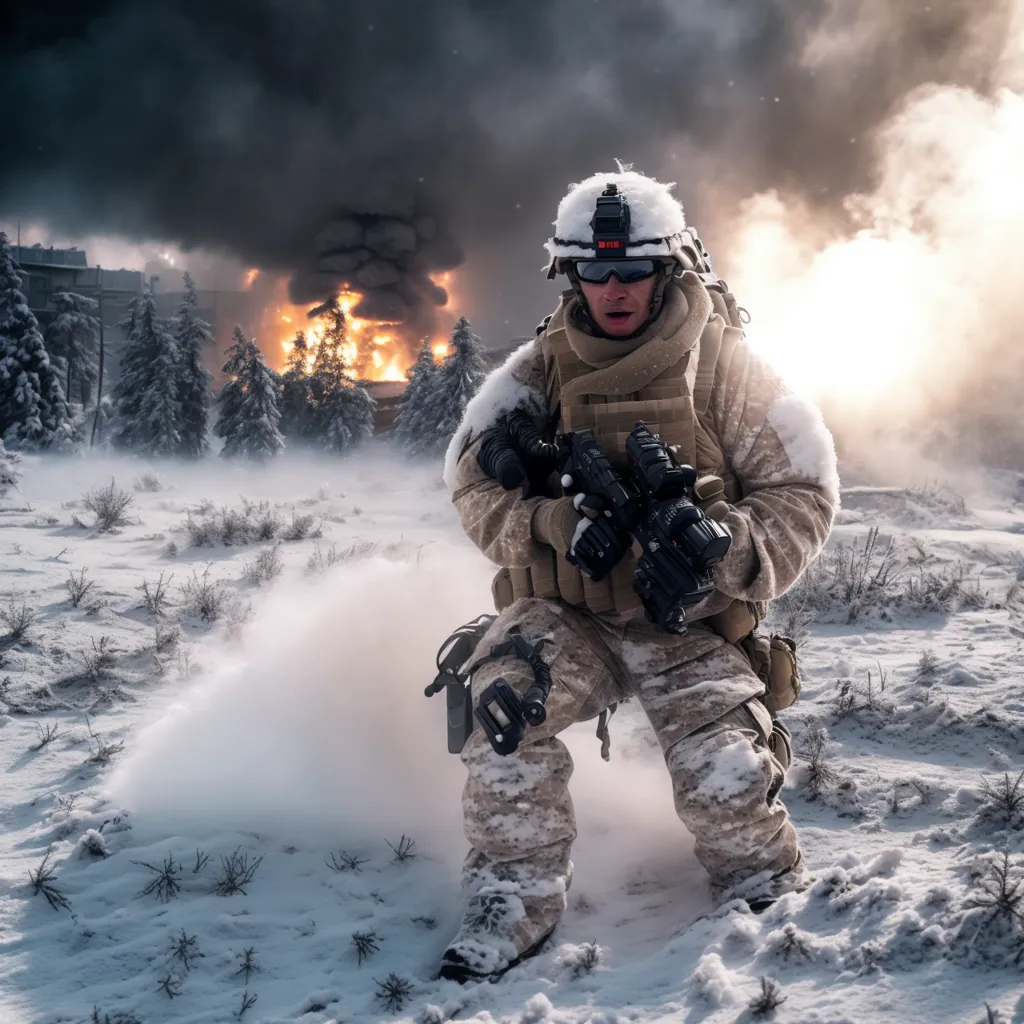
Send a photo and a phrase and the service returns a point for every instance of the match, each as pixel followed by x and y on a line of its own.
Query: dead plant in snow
pixel 109 505
pixel 154 598
pixel 78 586
pixel 19 620
pixel 820 774
pixel 1004 801
pixel 104 751
pixel 236 873
pixel 204 598
pixel 42 881
pixel 98 662
pixel 46 736
pixel 769 999
pixel 266 568
pixel 165 885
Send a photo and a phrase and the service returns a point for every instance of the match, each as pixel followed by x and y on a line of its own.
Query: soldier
pixel 645 332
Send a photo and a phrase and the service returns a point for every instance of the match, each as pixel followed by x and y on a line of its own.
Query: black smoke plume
pixel 377 142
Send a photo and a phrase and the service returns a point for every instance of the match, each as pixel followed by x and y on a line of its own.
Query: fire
pixel 370 351
pixel 373 350
pixel 250 275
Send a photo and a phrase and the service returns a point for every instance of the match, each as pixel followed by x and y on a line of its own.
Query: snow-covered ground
pixel 287 743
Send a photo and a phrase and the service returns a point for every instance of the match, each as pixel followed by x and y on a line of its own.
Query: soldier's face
pixel 619 309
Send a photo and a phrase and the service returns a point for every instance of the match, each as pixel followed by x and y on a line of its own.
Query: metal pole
pixel 99 384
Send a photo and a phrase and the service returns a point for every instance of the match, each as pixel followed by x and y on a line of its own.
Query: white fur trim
pixel 653 213
pixel 807 441
pixel 499 394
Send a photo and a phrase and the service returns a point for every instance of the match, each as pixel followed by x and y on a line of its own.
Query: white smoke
pixel 913 319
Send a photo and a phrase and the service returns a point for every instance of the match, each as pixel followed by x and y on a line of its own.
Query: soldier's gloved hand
pixel 709 496
pixel 597 547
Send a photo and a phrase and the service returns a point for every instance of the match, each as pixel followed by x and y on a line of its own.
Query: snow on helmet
pixel 651 222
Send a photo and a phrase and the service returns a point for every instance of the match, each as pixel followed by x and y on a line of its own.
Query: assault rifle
pixel 680 545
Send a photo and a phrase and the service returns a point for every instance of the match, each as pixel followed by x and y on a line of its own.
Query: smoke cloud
pixel 379 142
pixel 917 304
pixel 840 158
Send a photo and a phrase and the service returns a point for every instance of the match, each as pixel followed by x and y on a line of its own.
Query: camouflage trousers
pixel 700 696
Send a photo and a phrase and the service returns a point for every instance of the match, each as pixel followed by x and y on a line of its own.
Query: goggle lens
pixel 627 271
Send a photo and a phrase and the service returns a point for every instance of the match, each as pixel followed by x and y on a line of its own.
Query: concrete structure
pixel 47 271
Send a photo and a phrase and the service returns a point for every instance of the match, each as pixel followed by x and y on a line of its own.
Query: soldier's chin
pixel 619 323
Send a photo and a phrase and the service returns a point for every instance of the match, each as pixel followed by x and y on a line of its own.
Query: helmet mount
pixel 610 224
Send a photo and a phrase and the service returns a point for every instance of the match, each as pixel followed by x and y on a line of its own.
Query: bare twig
pixel 154 598
pixel 248 958
pixel 186 949
pixel 171 984
pixel 769 999
pixel 45 736
pixel 109 504
pixel 19 621
pixel 394 991
pixel 247 1002
pixel 236 873
pixel 165 884
pixel 78 586
pixel 104 751
pixel 405 850
pixel 344 861
pixel 42 880
pixel 366 944
pixel 820 774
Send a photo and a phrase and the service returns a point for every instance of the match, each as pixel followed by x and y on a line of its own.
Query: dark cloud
pixel 375 142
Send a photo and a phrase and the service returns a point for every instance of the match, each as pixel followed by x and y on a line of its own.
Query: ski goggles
pixel 627 271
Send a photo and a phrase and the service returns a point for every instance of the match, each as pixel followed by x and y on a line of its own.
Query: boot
pixel 500 929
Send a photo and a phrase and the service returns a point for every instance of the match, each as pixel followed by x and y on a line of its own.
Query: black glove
pixel 597 547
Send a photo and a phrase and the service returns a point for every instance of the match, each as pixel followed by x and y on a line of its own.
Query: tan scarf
pixel 622 368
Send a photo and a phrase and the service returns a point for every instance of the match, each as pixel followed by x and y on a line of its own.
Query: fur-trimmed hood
pixel 511 386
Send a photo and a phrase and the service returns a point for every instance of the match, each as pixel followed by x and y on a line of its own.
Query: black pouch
pixel 452 677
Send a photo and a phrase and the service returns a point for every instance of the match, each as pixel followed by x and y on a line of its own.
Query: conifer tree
pixel 33 410
pixel 146 409
pixel 71 341
pixel 8 470
pixel 249 416
pixel 455 382
pixel 195 392
pixel 296 393
pixel 346 417
pixel 341 411
pixel 407 425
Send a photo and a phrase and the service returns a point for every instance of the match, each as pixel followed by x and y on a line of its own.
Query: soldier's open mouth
pixel 619 314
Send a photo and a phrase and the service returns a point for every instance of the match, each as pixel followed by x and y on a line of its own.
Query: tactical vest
pixel 674 404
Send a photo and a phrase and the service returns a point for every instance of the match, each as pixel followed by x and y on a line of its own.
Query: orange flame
pixel 250 275
pixel 369 352
pixel 373 350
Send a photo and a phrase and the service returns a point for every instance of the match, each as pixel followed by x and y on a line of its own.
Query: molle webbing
pixel 666 405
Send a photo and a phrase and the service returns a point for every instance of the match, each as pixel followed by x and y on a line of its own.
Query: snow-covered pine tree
pixel 195 390
pixel 8 471
pixel 33 409
pixel 342 411
pixel 296 396
pixel 407 422
pixel 249 416
pixel 146 392
pixel 71 340
pixel 347 416
pixel 456 381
